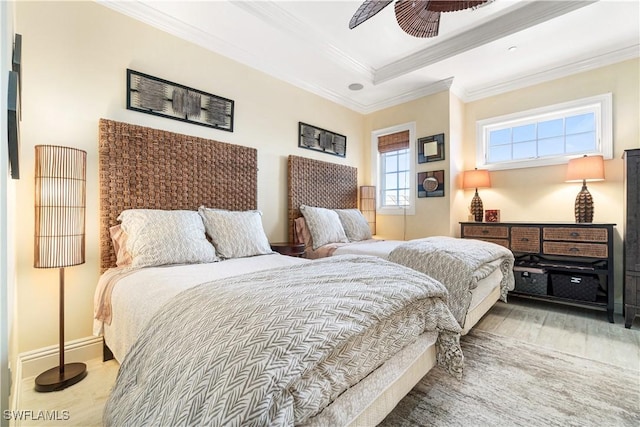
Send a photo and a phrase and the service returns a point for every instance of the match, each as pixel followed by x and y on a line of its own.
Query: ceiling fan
pixel 419 18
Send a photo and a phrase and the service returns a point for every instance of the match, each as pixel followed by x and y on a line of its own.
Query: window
pixel 393 157
pixel 546 136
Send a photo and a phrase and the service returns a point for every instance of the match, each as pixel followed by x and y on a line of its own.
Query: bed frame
pixel 148 168
pixel 145 168
pixel 317 183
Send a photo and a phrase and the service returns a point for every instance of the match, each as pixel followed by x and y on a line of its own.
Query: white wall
pixel 75 60
pixel 7 242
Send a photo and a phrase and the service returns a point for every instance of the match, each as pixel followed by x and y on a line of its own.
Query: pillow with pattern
pixel 355 224
pixel 235 234
pixel 161 237
pixel 324 226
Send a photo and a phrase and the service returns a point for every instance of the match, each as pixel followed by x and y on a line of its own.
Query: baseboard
pixel 34 362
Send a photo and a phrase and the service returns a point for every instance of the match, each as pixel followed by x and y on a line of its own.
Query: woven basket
pixel 583 287
pixel 531 283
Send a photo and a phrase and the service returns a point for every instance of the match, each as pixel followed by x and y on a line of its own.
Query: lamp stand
pixel 476 207
pixel 62 376
pixel 584 205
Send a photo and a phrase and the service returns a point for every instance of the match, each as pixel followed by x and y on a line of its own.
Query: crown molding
pixel 510 21
pixel 578 66
pixel 277 17
pixel 412 95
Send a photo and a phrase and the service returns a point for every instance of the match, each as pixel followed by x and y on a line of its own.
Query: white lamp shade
pixel 60 199
pixel 476 179
pixel 585 169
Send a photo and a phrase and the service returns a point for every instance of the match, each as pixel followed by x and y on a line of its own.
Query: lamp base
pixel 584 206
pixel 477 209
pixel 54 380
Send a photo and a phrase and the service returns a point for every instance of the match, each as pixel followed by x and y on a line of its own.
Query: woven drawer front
pixel 525 239
pixel 592 250
pixel 483 231
pixel 575 234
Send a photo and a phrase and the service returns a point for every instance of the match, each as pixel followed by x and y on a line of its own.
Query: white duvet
pixel 139 294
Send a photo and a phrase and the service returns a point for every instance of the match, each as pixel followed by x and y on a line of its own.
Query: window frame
pixel 376 170
pixel 601 105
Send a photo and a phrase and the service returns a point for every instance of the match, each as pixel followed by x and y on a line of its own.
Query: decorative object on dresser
pixel 476 179
pixel 492 215
pixel 576 259
pixel 318 139
pixel 60 199
pixel 585 169
pixel 431 184
pixel 160 97
pixel 368 205
pixel 288 248
pixel 631 236
pixel 431 148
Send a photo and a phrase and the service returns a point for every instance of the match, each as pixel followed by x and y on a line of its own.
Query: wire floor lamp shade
pixel 60 205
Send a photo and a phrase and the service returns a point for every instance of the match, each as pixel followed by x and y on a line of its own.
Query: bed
pixel 476 273
pixel 157 319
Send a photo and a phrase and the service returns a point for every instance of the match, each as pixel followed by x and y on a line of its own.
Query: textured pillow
pixel 235 234
pixel 158 237
pixel 324 226
pixel 355 224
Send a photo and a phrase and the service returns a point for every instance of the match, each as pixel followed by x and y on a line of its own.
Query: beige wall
pixel 431 115
pixel 540 193
pixel 75 57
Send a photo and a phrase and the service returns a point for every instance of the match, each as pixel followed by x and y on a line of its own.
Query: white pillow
pixel 355 224
pixel 235 234
pixel 324 226
pixel 159 237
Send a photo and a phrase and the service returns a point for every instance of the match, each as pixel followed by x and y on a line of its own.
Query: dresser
pixel 569 263
pixel 631 236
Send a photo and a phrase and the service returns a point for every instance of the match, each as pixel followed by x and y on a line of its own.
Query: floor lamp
pixel 60 200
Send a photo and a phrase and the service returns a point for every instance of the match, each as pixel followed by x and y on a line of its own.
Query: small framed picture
pixel 431 148
pixel 431 184
pixel 492 215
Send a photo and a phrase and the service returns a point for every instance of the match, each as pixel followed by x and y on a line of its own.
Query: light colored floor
pixel 577 331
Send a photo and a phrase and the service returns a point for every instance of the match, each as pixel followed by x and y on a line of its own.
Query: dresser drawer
pixel 592 250
pixel 575 234
pixel 525 239
pixel 484 231
pixel 501 242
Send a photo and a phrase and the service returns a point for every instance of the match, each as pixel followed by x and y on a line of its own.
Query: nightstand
pixel 288 248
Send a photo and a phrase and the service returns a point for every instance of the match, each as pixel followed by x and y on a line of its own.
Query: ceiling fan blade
pixel 415 20
pixel 366 10
pixel 453 5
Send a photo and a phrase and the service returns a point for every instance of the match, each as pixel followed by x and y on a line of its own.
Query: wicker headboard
pixel 317 183
pixel 145 168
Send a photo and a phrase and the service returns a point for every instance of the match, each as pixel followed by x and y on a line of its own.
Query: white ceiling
pixel 309 44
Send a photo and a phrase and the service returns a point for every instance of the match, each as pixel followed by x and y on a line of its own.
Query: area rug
pixel 511 383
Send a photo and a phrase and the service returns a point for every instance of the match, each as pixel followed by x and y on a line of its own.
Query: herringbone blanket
pixel 458 264
pixel 276 346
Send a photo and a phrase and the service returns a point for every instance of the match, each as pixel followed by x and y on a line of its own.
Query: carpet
pixel 511 383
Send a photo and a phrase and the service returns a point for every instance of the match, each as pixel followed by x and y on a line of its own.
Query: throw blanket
pixel 276 346
pixel 459 264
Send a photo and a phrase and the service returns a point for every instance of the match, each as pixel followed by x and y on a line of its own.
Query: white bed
pixel 127 182
pixel 339 194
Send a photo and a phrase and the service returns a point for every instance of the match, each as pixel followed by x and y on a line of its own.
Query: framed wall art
pixel 152 95
pixel 318 139
pixel 14 108
pixel 431 148
pixel 431 184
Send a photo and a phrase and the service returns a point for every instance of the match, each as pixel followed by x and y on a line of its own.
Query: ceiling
pixel 309 44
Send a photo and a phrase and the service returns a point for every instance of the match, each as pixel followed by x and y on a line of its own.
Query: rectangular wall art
pixel 431 184
pixel 159 97
pixel 318 139
pixel 431 148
